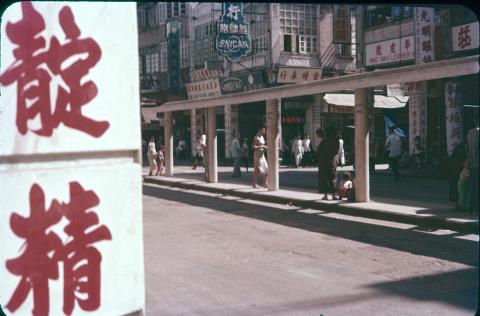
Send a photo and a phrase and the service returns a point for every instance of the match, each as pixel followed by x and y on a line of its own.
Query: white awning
pixel 348 99
pixel 150 113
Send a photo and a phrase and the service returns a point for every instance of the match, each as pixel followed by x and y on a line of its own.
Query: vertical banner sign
pixel 453 115
pixel 233 38
pixel 425 34
pixel 371 121
pixel 417 112
pixel 228 130
pixel 193 131
pixel 465 37
pixel 70 243
pixel 173 44
pixel 341 24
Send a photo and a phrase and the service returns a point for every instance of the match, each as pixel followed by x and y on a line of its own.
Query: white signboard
pixel 394 50
pixel 425 34
pixel 71 241
pixel 465 37
pixel 70 246
pixel 396 90
pixel 297 74
pixel 453 116
pixel 204 89
pixel 417 112
pixel 71 81
pixel 203 74
pixel 389 32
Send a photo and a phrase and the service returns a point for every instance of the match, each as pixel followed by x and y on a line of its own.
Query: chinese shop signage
pixel 341 24
pixel 465 37
pixel 233 38
pixel 173 42
pixel 417 112
pixel 296 75
pixel 425 34
pixel 66 111
pixel 203 89
pixel 453 115
pixel 394 50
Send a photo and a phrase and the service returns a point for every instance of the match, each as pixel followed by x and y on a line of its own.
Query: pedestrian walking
pixel 298 151
pixel 393 145
pixel 236 151
pixel 151 154
pixel 260 166
pixel 307 151
pixel 473 165
pixel 199 151
pixel 327 164
pixel 245 154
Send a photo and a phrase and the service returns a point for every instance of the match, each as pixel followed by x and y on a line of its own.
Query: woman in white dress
pixel 298 151
pixel 260 165
pixel 151 154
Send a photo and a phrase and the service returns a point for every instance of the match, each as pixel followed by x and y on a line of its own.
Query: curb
pixel 341 208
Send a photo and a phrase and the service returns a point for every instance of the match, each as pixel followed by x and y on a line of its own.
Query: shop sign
pixel 173 49
pixel 341 24
pixel 396 90
pixel 394 50
pixel 453 115
pixel 203 89
pixel 204 74
pixel 231 85
pixel 233 40
pixel 417 112
pixel 425 34
pixel 465 37
pixel 62 241
pixel 298 74
pixel 389 32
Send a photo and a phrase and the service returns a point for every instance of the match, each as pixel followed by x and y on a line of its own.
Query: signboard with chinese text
pixel 296 74
pixel 204 74
pixel 396 90
pixel 341 24
pixel 174 31
pixel 453 115
pixel 233 39
pixel 70 150
pixel 425 34
pixel 465 37
pixel 203 89
pixel 417 112
pixel 394 50
pixel 75 86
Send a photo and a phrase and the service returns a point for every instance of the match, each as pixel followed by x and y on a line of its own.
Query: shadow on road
pixel 444 247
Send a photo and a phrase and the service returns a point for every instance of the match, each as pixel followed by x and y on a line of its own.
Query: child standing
pixel 345 188
pixel 161 159
pixel 463 186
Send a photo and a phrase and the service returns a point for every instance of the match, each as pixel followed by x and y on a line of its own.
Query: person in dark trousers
pixel 327 164
pixel 394 147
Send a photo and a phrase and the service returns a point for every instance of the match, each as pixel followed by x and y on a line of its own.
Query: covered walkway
pixel 357 82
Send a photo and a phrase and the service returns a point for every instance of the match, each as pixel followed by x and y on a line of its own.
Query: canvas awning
pixel 348 99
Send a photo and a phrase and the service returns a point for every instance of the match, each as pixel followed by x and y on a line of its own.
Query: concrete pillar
pixel 362 173
pixel 273 137
pixel 168 127
pixel 212 174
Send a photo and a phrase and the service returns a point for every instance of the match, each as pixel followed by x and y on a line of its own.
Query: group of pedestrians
pixel 156 159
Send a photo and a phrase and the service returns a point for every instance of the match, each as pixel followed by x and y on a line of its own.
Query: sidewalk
pixel 412 200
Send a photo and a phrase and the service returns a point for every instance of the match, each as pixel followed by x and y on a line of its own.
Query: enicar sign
pixel 233 39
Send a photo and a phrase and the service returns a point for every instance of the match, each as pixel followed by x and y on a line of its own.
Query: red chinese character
pixel 316 75
pixel 453 102
pixel 427 46
pixel 464 38
pixel 294 75
pixel 454 117
pixel 392 48
pixel 378 50
pixel 407 44
pixel 283 74
pixel 305 75
pixel 455 132
pixel 81 261
pixel 424 16
pixel 33 81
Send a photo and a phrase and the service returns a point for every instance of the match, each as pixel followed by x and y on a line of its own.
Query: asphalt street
pixel 208 254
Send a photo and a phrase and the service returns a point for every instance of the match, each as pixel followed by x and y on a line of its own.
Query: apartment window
pixel 345 50
pixel 379 15
pixel 142 23
pixel 175 9
pixel 152 16
pixel 164 57
pixel 298 23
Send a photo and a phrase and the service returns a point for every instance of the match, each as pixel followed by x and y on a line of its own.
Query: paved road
pixel 221 255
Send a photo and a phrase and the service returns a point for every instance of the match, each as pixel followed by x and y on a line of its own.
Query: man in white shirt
pixel 394 147
pixel 307 158
pixel 236 150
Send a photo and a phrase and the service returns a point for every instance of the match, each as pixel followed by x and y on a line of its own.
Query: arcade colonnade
pixel 358 82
